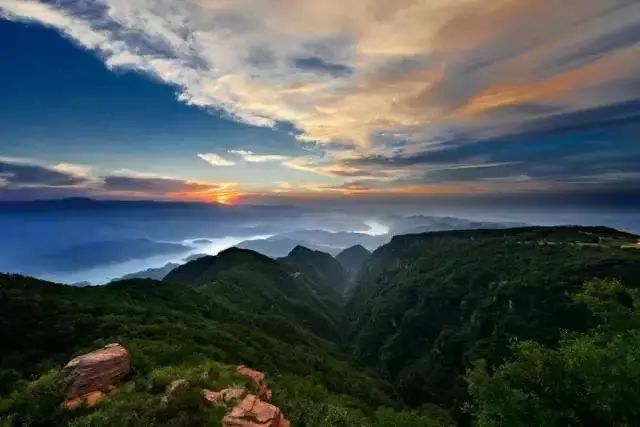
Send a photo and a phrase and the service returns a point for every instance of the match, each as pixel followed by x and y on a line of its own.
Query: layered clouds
pixel 422 96
pixel 29 178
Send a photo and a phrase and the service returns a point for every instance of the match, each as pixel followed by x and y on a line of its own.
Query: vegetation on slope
pixel 319 267
pixel 247 312
pixel 589 379
pixel 256 283
pixel 427 306
pixel 494 325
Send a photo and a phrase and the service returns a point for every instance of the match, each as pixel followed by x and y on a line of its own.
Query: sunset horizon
pixel 237 103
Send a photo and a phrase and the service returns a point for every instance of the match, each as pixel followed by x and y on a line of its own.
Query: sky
pixel 277 101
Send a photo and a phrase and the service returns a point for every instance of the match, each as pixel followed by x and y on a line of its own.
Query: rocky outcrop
pixel 263 391
pixel 89 376
pixel 252 412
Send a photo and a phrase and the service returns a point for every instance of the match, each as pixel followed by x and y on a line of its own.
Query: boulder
pixel 264 393
pixel 252 412
pixel 98 371
pixel 223 396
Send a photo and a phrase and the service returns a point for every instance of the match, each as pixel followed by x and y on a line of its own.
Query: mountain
pixel 237 308
pixel 426 306
pixel 276 247
pixel 352 259
pixel 319 267
pixel 281 244
pixel 262 285
pixel 337 240
pixel 151 273
pixel 458 324
pixel 331 242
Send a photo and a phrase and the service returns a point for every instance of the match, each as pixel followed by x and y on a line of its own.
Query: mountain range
pixel 430 329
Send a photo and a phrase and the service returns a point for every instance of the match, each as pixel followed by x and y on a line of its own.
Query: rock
pixel 252 412
pixel 223 396
pixel 98 371
pixel 88 400
pixel 264 393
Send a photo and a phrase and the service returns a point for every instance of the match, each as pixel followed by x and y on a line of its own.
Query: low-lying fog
pixel 92 242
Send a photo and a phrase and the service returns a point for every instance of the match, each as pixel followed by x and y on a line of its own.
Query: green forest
pixel 525 326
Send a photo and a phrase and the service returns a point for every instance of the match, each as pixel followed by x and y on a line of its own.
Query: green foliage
pixel 506 307
pixel 589 379
pixel 427 306
pixel 252 312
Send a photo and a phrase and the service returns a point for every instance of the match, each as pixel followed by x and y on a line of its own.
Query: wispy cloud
pixel 215 159
pixel 250 156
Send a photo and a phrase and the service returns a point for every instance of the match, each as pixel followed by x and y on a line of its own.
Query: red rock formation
pixel 252 412
pixel 264 393
pixel 98 371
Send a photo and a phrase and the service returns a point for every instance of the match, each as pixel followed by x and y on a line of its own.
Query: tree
pixel 590 379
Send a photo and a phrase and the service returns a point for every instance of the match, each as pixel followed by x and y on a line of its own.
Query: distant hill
pixel 352 259
pixel 318 266
pixel 425 223
pixel 276 247
pixel 426 305
pixel 333 243
pixel 339 240
pixel 92 254
pixel 151 273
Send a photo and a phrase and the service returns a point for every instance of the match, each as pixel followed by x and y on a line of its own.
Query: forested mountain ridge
pixel 258 283
pixel 426 306
pixel 174 331
pixel 456 319
pixel 319 267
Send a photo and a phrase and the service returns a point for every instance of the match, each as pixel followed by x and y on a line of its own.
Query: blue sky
pixel 222 101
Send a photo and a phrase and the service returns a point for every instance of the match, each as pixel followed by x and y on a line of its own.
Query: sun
pixel 226 199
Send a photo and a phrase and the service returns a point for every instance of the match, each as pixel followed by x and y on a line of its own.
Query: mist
pixel 94 242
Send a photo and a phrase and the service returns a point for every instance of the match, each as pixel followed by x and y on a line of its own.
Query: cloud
pixel 415 66
pixel 154 185
pixel 403 91
pixel 320 66
pixel 130 184
pixel 215 159
pixel 250 156
pixel 20 173
pixel 22 178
